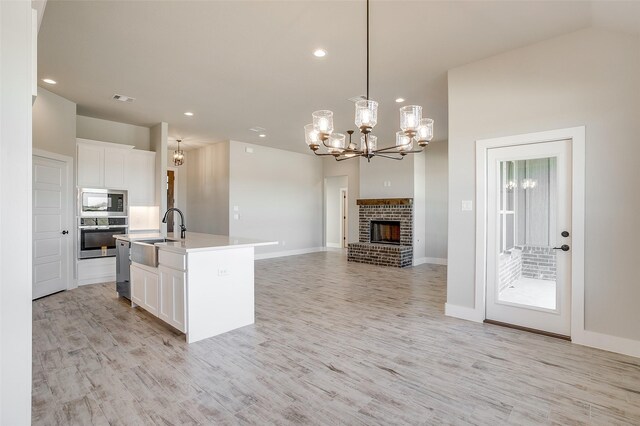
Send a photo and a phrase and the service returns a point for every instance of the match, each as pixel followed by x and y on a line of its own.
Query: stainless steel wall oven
pixel 95 236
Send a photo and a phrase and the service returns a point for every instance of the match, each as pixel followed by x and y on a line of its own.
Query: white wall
pixel 207 171
pixel 436 193
pixel 158 138
pixel 279 197
pixel 113 131
pixel 333 209
pixel 398 173
pixel 15 212
pixel 54 124
pixel 419 207
pixel 350 169
pixel 591 78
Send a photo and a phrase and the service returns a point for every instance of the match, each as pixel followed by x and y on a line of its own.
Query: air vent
pixel 122 98
pixel 257 129
pixel 357 98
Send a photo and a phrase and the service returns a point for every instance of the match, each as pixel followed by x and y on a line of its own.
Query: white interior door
pixel 51 237
pixel 529 236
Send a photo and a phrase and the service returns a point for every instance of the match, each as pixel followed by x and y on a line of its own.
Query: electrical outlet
pixel 248 150
pixel 467 205
pixel 236 208
pixel 223 272
pixel 236 216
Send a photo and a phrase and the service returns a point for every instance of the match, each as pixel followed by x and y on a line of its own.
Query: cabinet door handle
pixel 65 232
pixel 564 247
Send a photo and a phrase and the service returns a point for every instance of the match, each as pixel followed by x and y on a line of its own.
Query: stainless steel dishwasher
pixel 123 263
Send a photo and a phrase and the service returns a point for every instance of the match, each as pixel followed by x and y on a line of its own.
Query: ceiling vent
pixel 257 129
pixel 122 98
pixel 358 98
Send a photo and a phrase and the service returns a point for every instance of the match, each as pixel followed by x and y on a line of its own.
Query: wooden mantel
pixel 385 202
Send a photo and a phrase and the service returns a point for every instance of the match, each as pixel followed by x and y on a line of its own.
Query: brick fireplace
pixel 385 232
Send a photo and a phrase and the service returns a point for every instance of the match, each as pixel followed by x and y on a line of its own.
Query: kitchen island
pixel 202 285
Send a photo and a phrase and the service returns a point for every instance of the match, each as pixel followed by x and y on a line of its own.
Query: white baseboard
pixel 97 280
pixel 334 249
pixel 430 260
pixel 607 342
pixel 462 312
pixel 333 245
pixel 289 253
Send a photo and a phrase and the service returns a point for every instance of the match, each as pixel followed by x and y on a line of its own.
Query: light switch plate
pixel 236 208
pixel 248 150
pixel 467 205
pixel 236 216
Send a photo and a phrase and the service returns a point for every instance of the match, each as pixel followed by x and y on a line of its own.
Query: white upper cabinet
pixel 115 166
pixel 141 175
pixel 90 166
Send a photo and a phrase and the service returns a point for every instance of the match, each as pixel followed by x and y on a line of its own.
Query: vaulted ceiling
pixel 241 64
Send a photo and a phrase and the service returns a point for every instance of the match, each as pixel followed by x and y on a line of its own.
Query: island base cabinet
pixel 172 308
pixel 144 288
pixel 137 285
pixel 220 292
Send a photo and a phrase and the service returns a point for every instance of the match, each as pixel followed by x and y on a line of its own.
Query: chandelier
pixel 178 155
pixel 415 130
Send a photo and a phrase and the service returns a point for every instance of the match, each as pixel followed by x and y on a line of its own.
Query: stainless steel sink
pixel 145 252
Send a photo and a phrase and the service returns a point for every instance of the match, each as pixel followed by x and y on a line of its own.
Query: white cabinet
pixel 141 175
pixel 173 297
pixel 114 168
pixel 162 292
pixel 101 164
pixel 136 277
pixel 90 165
pixel 145 288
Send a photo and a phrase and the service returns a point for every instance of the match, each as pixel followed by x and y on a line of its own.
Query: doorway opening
pixel 336 211
pixel 171 196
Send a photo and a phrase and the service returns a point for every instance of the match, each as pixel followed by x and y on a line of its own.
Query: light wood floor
pixel 333 343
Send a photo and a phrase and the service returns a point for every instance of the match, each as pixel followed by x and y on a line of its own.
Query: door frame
pixel 71 206
pixel 577 137
pixel 344 217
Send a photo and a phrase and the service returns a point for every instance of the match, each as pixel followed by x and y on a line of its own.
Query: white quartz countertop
pixel 196 242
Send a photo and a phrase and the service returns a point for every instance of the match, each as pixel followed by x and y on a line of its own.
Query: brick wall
pixel 539 262
pixel 510 267
pixel 402 213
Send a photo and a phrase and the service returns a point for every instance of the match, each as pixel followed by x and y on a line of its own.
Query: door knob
pixel 65 232
pixel 564 247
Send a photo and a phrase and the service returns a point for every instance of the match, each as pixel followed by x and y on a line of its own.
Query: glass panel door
pixel 529 207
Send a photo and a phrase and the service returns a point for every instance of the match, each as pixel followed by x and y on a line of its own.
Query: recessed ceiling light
pixel 188 114
pixel 399 100
pixel 262 135
pixel 49 81
pixel 319 53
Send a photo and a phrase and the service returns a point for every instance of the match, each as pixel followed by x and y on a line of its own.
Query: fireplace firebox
pixel 385 231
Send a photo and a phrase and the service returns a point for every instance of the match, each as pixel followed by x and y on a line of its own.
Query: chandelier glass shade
pixel 415 130
pixel 178 155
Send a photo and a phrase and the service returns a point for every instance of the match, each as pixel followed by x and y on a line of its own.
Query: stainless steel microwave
pixel 102 202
